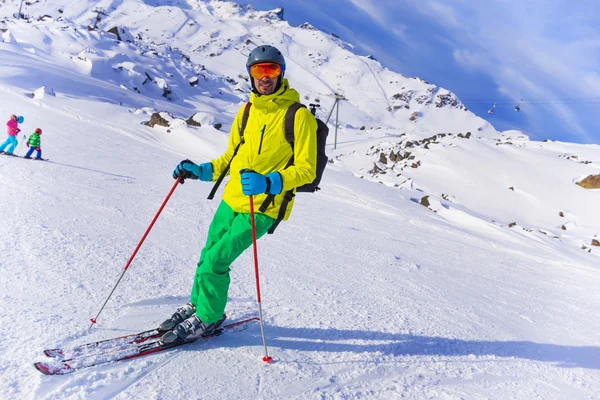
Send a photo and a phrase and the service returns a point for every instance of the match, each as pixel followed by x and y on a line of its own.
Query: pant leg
pixel 13 144
pixel 230 233
pixel 6 143
pixel 29 152
pixel 39 153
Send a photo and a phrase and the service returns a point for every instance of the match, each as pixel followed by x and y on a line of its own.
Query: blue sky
pixel 546 52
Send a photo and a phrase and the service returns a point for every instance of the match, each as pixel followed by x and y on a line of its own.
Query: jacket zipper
pixel 262 135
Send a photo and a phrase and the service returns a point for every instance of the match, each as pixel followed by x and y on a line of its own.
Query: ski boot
pixel 191 329
pixel 180 315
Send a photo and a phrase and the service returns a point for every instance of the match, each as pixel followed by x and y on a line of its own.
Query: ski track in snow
pixel 366 293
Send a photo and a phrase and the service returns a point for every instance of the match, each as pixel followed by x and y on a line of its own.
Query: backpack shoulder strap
pixel 245 120
pixel 245 117
pixel 290 116
pixel 289 126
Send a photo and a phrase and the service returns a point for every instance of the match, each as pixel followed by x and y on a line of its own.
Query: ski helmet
pixel 38 131
pixel 20 119
pixel 266 53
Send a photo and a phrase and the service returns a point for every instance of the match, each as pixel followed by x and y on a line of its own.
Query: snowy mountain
pixel 490 290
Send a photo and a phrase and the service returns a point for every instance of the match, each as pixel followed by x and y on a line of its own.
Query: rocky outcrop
pixel 157 119
pixel 591 182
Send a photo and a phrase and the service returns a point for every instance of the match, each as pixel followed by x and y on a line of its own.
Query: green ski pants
pixel 229 234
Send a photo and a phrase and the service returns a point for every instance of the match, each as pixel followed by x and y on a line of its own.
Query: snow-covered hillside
pixel 367 293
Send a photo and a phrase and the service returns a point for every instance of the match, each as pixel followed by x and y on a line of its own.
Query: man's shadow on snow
pixel 395 344
pixel 130 178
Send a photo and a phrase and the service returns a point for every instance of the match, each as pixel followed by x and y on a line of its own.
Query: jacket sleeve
pixel 304 169
pixel 219 164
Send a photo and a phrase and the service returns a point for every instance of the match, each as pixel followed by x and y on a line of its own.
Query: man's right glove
pixel 189 170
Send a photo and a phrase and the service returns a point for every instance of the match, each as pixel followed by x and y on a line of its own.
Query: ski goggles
pixel 270 70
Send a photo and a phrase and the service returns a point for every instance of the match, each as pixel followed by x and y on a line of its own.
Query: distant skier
pixel 34 143
pixel 263 163
pixel 12 130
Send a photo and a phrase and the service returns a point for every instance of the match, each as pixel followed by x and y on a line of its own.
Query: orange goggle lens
pixel 270 70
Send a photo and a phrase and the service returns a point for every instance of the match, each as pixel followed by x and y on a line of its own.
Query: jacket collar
pixel 282 98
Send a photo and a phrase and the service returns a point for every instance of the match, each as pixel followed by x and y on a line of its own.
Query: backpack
pixel 290 115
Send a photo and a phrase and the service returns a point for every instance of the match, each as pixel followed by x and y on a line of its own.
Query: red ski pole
pixel 136 250
pixel 266 358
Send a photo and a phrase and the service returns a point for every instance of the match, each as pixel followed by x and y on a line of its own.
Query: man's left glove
pixel 27 144
pixel 255 183
pixel 38 148
pixel 189 170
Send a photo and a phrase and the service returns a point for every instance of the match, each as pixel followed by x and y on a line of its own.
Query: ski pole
pixel 136 250
pixel 266 358
pixel 19 148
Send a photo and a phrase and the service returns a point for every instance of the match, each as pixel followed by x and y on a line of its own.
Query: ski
pixel 36 159
pixel 30 158
pixel 69 365
pixel 103 345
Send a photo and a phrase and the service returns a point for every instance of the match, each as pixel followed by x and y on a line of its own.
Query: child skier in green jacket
pixel 34 143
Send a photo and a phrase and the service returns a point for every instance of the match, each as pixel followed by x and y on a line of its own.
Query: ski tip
pixel 53 353
pixel 42 368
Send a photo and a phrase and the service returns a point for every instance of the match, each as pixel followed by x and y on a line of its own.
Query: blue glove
pixel 189 170
pixel 255 183
pixel 206 172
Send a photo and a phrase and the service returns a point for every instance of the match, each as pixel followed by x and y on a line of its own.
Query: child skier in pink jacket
pixel 12 130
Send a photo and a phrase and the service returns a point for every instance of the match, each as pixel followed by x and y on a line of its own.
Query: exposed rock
pixel 446 99
pixel 512 224
pixel 447 197
pixel 416 165
pixel 115 31
pixel 512 188
pixel 193 81
pixel 591 182
pixel 561 214
pixel 564 228
pixel 595 242
pixel 190 121
pixel 148 78
pixel 382 158
pixel 376 169
pixel 306 26
pixel 218 126
pixel 156 119
pixel 122 34
pixel 425 201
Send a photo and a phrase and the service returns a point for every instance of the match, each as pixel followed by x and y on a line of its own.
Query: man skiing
pixel 260 165
pixel 12 130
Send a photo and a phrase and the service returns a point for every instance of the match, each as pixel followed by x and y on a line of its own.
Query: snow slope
pixel 366 293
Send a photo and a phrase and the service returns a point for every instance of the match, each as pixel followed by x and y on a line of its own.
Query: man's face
pixel 265 85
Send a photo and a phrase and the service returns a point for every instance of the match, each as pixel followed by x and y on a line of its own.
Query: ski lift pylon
pixel 491 110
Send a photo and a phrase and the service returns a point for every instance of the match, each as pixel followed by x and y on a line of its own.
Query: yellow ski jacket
pixel 265 149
